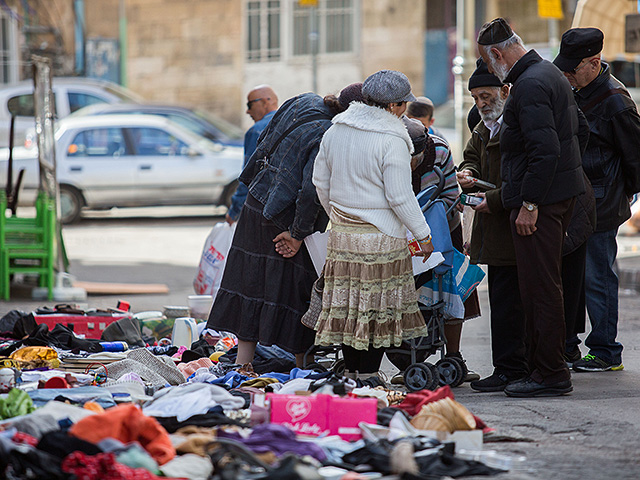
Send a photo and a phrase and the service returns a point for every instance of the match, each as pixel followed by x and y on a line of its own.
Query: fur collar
pixel 374 119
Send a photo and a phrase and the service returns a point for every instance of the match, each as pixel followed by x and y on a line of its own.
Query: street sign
pixel 632 33
pixel 550 9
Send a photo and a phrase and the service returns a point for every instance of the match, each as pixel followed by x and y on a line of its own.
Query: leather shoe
pixel 530 388
pixel 493 383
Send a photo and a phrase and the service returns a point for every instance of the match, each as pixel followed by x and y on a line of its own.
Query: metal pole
pixel 463 66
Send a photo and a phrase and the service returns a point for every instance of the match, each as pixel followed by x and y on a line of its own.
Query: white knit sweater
pixel 363 168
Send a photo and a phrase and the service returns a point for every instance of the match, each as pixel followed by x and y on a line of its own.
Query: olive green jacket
pixel 491 241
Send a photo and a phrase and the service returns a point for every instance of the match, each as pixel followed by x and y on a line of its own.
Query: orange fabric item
pixel 127 423
pixel 94 407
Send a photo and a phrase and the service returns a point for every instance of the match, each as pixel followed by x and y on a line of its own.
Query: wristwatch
pixel 529 206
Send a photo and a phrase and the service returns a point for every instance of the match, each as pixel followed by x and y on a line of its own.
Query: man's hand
pixel 463 178
pixel 286 245
pixel 484 206
pixel 229 220
pixel 526 222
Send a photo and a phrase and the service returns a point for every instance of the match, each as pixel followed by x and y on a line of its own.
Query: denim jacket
pixel 282 183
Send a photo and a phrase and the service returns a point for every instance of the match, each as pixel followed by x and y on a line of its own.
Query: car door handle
pixel 145 167
pixel 75 169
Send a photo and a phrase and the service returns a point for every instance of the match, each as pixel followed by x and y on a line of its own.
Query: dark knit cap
pixel 496 31
pixel 578 43
pixel 482 78
pixel 417 132
pixel 351 93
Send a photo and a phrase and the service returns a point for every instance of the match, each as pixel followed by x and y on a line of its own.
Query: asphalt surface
pixel 593 433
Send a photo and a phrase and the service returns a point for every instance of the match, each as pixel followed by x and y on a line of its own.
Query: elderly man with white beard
pixel 541 175
pixel 491 241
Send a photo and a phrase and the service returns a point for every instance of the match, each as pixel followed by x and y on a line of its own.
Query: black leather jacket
pixel 612 158
pixel 539 139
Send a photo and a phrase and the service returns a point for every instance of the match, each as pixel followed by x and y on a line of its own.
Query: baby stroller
pixel 410 356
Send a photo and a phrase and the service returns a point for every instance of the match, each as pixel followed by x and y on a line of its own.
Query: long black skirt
pixel 263 295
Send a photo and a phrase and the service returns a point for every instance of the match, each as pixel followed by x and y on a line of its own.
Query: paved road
pixel 593 433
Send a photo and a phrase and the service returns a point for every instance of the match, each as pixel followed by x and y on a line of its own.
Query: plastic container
pixel 200 306
pixel 185 332
pixel 491 458
pixel 114 346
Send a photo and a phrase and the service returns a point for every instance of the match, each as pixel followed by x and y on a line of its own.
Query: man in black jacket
pixel 612 164
pixel 541 176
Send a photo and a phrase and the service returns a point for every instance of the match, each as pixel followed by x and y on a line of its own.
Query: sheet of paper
pixel 433 261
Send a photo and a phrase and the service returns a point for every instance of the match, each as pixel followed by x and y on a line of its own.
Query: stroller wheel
pixel 450 371
pixel 338 368
pixel 316 367
pixel 419 377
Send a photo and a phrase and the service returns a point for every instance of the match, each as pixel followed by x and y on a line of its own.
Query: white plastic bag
pixel 214 258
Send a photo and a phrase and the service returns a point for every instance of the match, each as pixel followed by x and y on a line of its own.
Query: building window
pixel 335 27
pixel 263 27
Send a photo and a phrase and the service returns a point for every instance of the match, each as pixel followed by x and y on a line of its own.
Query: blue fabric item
pixel 436 217
pixel 78 395
pixel 250 143
pixel 231 379
pixel 601 284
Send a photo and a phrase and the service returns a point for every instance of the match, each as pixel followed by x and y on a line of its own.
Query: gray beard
pixel 499 70
pixel 496 110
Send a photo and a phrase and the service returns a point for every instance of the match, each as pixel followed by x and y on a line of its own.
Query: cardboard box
pixel 317 415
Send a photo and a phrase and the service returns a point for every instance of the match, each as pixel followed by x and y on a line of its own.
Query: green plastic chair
pixel 28 244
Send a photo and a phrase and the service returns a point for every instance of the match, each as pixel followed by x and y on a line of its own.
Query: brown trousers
pixel 539 260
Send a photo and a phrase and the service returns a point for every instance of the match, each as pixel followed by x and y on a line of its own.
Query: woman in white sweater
pixel 362 176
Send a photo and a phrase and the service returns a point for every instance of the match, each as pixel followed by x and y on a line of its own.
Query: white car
pixel 70 94
pixel 108 161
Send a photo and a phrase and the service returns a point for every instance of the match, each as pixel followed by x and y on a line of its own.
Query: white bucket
pixel 185 332
pixel 200 306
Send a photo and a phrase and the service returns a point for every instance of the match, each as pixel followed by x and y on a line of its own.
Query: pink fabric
pixel 189 368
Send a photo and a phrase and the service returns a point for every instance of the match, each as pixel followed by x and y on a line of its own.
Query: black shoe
pixel 530 388
pixel 493 383
pixel 572 357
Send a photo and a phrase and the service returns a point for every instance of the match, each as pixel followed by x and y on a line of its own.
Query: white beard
pixel 495 112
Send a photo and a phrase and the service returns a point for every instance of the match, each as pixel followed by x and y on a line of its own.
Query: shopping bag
pixel 213 259
pixel 457 284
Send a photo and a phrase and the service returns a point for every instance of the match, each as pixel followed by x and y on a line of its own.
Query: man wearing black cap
pixel 491 242
pixel 541 176
pixel 612 164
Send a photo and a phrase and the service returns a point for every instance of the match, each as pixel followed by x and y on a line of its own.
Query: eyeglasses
pixel 579 67
pixel 251 101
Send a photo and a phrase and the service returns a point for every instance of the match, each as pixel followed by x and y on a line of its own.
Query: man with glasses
pixel 612 164
pixel 262 103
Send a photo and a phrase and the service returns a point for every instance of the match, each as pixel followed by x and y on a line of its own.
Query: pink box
pixel 323 414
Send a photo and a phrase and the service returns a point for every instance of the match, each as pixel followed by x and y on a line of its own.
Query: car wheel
pixel 227 193
pixel 71 203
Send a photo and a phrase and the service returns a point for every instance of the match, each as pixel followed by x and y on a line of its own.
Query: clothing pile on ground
pixel 169 411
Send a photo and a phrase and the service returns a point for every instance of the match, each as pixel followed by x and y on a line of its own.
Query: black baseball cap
pixel 576 44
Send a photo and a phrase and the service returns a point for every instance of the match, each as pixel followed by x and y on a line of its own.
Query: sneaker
pixel 591 363
pixel 530 388
pixel 572 357
pixel 398 379
pixel 493 383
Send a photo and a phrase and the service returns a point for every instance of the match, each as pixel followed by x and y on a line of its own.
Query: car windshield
pixel 124 94
pixel 229 129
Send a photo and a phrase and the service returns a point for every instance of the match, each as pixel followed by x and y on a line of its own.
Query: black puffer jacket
pixel 539 139
pixel 612 158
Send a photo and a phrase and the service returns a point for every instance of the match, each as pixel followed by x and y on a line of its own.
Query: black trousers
pixel 539 260
pixel 573 277
pixel 507 323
